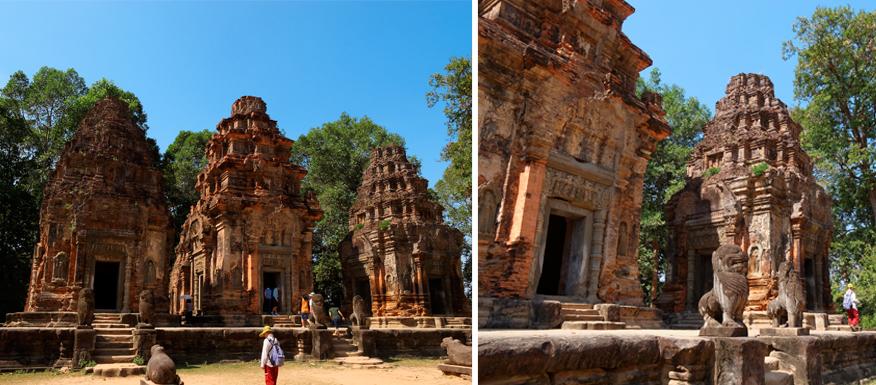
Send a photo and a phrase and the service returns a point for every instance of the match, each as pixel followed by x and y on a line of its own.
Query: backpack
pixel 276 355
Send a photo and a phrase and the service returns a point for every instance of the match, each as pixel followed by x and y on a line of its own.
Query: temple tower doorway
pixel 437 296
pixel 106 286
pixel 556 248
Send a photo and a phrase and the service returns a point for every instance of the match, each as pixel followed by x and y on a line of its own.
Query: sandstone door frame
pixel 122 304
pixel 577 258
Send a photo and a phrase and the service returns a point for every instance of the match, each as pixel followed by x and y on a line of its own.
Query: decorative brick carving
pixel 749 184
pixel 399 255
pixel 564 141
pixel 103 208
pixel 252 219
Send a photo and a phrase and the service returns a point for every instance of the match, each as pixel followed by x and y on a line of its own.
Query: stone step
pixel 112 331
pixel 114 338
pixel 117 370
pixel 839 328
pixel 109 326
pixel 98 345
pixel 582 306
pixel 114 359
pixel 124 351
pixel 580 311
pixel 359 361
pixel 583 318
pixel 778 377
pixel 593 325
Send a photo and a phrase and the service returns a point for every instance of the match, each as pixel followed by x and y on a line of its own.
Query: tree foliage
pixel 666 172
pixel 19 213
pixel 335 156
pixel 835 79
pixel 453 88
pixel 181 163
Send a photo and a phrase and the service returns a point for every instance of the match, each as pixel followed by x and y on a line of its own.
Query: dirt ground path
pixel 403 372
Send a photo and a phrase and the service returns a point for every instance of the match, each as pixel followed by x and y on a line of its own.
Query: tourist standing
pixel 850 303
pixel 336 315
pixel 275 296
pixel 272 356
pixel 266 307
pixel 305 310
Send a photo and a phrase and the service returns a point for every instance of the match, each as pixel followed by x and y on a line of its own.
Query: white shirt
pixel 276 293
pixel 850 300
pixel 266 350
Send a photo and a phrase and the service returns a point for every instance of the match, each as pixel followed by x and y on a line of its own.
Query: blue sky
pixel 187 62
pixel 699 45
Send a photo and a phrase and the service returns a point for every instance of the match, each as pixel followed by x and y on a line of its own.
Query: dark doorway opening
pixel 809 274
pixel 271 296
pixel 704 276
pixel 106 285
pixel 436 296
pixel 363 289
pixel 554 253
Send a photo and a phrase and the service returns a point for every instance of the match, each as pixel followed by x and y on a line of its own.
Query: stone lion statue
pixel 160 369
pixel 724 304
pixel 85 307
pixel 458 353
pixel 357 318
pixel 146 303
pixel 318 316
pixel 788 305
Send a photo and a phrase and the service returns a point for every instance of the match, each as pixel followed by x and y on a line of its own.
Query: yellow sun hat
pixel 265 331
pixel 851 286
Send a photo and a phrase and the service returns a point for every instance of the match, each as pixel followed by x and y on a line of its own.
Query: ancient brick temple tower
pixel 400 256
pixel 252 227
pixel 564 143
pixel 103 221
pixel 750 184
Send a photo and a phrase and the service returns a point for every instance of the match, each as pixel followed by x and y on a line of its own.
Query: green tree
pixel 335 156
pixel 666 172
pixel 43 103
pixel 181 163
pixel 453 88
pixel 19 215
pixel 52 104
pixel 835 77
pixel 835 81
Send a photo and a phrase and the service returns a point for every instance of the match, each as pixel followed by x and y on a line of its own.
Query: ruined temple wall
pixel 561 133
pixel 251 219
pixel 104 203
pixel 399 246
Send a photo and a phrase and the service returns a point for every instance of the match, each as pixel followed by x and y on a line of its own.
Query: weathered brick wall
pixel 34 347
pixel 198 345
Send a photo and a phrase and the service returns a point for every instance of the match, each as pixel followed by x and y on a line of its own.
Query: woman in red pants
pixel 267 362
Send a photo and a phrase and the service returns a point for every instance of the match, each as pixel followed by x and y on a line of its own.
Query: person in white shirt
pixel 271 371
pixel 850 304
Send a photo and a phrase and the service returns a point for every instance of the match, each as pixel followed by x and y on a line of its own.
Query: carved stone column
pixel 595 261
pixel 691 274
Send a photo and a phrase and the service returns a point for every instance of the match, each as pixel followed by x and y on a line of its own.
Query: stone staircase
pixel 688 320
pixel 114 341
pixel 584 316
pixel 775 376
pixel 286 321
pixel 344 347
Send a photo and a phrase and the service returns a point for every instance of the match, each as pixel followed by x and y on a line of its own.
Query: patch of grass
pixel 759 169
pixel 384 224
pixel 711 172
pixel 86 364
pixel 139 361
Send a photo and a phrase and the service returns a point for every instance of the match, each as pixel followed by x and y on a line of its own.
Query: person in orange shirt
pixel 305 310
